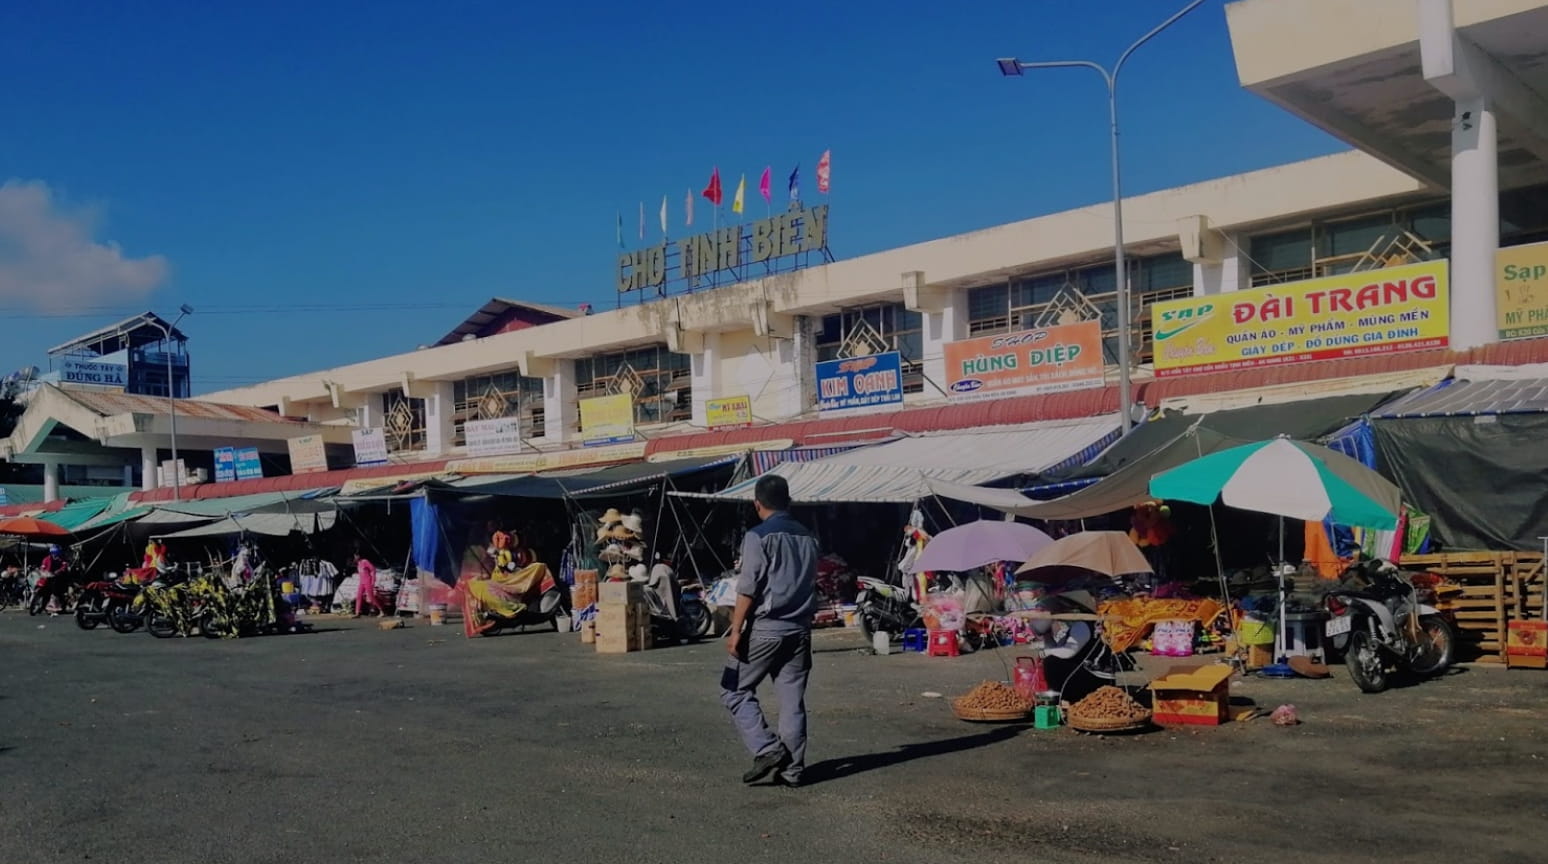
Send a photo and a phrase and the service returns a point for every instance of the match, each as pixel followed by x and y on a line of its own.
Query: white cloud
pixel 50 261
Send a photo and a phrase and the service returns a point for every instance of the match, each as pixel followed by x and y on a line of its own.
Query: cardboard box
pixel 587 577
pixel 619 594
pixel 1526 644
pixel 1192 695
pixel 582 596
pixel 621 629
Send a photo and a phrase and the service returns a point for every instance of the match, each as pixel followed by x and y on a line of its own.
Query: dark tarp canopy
pixel 1481 478
pixel 1306 420
pixel 611 480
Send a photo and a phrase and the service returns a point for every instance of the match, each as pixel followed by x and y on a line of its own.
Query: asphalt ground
pixel 418 745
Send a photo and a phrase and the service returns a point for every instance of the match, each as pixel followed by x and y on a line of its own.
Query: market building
pixel 752 333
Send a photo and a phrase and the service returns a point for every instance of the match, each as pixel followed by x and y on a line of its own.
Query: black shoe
pixel 782 780
pixel 767 764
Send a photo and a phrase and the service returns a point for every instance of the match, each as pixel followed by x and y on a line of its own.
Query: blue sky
pixel 419 158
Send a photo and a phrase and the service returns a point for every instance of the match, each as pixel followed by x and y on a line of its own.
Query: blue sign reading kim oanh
pixel 860 382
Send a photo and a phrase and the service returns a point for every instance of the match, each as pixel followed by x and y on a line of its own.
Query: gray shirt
pixel 779 571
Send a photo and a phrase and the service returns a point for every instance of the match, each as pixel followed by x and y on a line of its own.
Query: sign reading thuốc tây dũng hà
pixel 1385 311
pixel 1521 290
pixel 729 248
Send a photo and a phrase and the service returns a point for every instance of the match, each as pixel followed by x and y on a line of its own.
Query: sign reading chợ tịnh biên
pixel 727 248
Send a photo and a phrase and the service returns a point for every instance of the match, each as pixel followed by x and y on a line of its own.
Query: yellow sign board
pixel 720 450
pixel 1352 315
pixel 1521 290
pixel 353 487
pixel 533 463
pixel 607 419
pixel 732 412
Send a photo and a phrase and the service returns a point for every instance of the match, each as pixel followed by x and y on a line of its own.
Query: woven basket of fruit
pixel 1107 710
pixel 991 702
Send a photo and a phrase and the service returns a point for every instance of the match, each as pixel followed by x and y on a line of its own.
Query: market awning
pixel 78 513
pixel 585 481
pixel 267 524
pixel 1124 488
pixel 901 471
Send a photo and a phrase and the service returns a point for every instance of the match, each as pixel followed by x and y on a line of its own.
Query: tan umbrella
pixel 1109 553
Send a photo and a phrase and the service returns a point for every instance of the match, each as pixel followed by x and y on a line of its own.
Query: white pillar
pixel 439 428
pixel 148 466
pixel 1232 272
pixel 561 413
pixel 1475 224
pixel 804 363
pixel 704 367
pixel 129 475
pixel 50 481
pixel 947 325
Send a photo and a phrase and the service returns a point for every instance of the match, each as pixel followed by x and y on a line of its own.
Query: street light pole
pixel 166 333
pixel 1010 66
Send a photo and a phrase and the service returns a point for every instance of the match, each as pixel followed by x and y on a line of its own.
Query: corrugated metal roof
pixel 900 471
pixel 1470 398
pixel 109 404
pixel 286 483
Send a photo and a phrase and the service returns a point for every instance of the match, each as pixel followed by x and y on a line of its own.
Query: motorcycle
pixel 885 607
pixel 541 604
pixel 107 602
pixel 1377 620
pixel 60 586
pixel 15 590
pixel 678 609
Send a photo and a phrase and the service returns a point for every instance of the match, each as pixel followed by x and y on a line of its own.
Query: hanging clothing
pixel 318 578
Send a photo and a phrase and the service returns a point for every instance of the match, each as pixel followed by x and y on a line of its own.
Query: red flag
pixel 823 170
pixel 763 185
pixel 712 191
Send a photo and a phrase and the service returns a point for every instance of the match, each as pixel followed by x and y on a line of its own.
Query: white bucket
pixel 881 643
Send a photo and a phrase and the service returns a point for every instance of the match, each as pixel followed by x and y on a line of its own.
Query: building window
pixel 403 422
pixel 1035 301
pixel 900 330
pixel 660 380
pixel 493 397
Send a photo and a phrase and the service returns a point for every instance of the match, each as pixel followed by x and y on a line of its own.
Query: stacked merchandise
pixel 623 618
pixel 622 542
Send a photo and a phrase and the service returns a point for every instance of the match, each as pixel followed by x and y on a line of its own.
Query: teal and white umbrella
pixel 1286 478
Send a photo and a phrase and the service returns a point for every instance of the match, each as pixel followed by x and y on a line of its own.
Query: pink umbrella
pixel 976 544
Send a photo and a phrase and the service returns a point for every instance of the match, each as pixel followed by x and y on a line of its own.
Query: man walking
pixel 771 635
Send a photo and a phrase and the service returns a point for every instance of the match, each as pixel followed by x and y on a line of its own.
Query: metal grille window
pixel 404 422
pixel 660 381
pixel 1041 300
pixel 899 329
pixel 492 397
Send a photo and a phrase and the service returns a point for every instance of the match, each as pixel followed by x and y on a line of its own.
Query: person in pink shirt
pixel 365 588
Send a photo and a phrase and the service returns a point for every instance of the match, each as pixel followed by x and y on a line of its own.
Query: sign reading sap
pixel 1521 291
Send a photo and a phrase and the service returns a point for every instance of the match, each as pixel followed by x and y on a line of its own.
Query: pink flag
pixel 824 168
pixel 688 206
pixel 763 185
pixel 642 220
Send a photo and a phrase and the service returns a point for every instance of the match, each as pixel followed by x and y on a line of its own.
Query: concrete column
pixel 370 411
pixel 804 363
pixel 148 467
pixel 705 369
pixel 128 475
pixel 561 413
pixel 1475 224
pixel 439 428
pixel 947 325
pixel 1231 272
pixel 50 481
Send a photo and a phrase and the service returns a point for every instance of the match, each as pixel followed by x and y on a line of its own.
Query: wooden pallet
pixel 1497 587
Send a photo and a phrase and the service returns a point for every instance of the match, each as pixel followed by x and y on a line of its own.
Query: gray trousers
pixel 788 659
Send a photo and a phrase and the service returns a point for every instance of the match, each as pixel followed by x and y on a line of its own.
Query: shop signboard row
pixel 74 370
pixel 496 436
pixel 1042 360
pixel 1404 308
pixel 370 446
pixel 308 454
pixel 731 412
pixel 1521 290
pixel 607 420
pixel 860 382
pixel 237 463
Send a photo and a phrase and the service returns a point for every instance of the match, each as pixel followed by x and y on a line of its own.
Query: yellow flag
pixel 741 190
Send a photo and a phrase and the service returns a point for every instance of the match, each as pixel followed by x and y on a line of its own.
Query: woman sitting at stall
pixel 504 590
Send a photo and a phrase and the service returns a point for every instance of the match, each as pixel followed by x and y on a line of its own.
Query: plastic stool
pixel 916 639
pixel 943 643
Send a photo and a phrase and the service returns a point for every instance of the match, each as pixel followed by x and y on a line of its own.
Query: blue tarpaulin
pixel 431 554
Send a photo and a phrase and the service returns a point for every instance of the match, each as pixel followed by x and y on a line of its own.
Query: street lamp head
pixel 1009 67
pixel 185 309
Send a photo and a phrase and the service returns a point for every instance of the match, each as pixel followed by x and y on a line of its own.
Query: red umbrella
pixel 26 526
